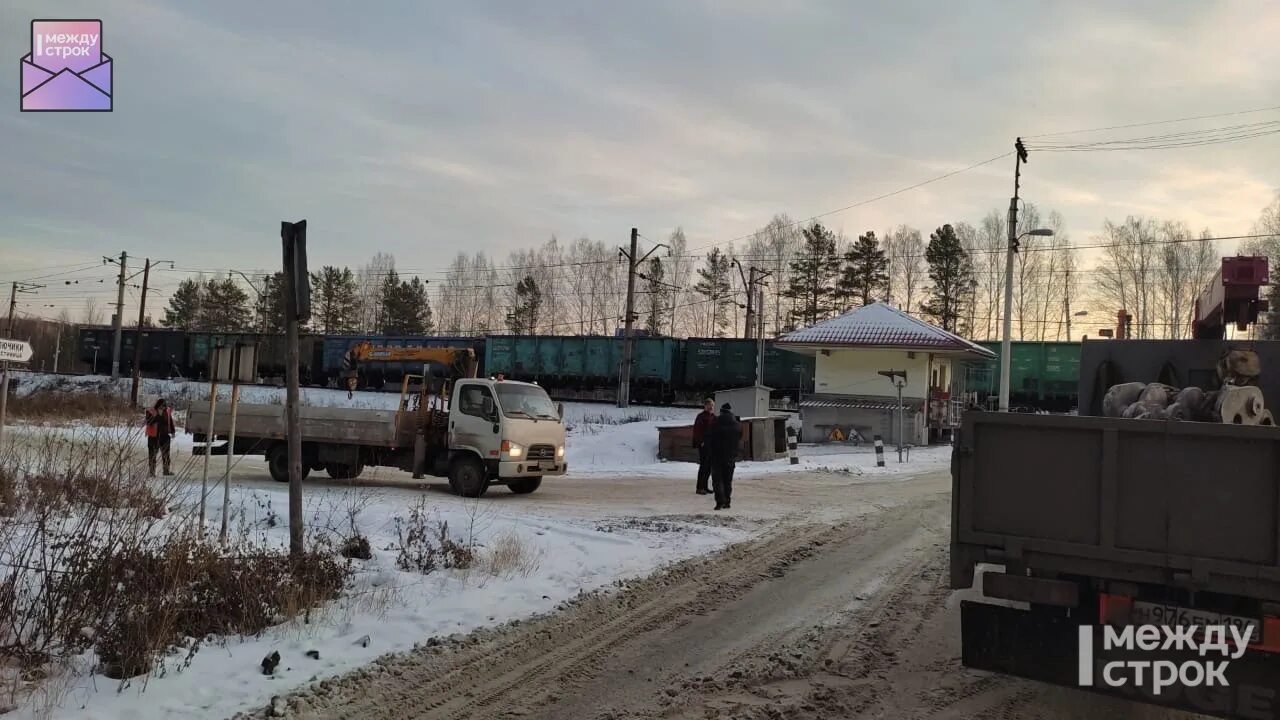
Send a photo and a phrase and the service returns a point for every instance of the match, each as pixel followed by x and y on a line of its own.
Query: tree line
pixel 395 307
pixel 953 277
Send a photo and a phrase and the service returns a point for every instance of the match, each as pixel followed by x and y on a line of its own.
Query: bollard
pixel 879 451
pixel 791 446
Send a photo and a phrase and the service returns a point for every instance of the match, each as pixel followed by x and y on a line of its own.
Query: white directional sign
pixel 15 350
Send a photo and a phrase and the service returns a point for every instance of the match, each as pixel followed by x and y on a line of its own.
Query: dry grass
pixel 91 559
pixel 423 544
pixel 66 408
pixel 508 556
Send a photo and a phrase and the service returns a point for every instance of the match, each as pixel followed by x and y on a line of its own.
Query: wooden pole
pixel 290 234
pixel 137 338
pixel 208 449
pixel 231 444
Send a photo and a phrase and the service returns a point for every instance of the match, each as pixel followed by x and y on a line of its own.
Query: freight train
pixel 1044 375
pixel 664 370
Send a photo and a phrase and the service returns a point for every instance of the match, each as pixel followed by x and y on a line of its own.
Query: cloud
pixel 425 129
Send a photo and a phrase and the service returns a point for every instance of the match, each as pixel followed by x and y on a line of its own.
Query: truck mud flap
pixel 1046 648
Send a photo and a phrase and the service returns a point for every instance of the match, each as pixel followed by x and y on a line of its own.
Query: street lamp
pixel 1006 346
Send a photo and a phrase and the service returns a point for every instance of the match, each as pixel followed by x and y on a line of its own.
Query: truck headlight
pixel 512 450
pixel 560 451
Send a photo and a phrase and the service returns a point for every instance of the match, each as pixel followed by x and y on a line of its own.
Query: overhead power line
pixel 1273 108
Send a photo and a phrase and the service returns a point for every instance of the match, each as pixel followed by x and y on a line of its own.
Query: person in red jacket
pixel 701 425
pixel 160 429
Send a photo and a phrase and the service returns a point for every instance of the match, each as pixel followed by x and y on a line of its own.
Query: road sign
pixel 15 350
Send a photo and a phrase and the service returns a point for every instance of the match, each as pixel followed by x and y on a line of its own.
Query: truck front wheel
pixel 278 464
pixel 524 486
pixel 467 477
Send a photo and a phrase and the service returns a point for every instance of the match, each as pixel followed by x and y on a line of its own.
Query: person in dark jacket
pixel 160 429
pixel 724 438
pixel 701 425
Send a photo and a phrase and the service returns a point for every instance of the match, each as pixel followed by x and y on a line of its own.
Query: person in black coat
pixel 723 441
pixel 701 425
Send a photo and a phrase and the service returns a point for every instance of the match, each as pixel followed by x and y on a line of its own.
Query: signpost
pixel 10 351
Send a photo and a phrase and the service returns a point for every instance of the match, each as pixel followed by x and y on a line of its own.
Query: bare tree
pixel 772 248
pixel 993 244
pixel 1028 268
pixel 369 281
pixel 552 280
pixel 968 236
pixel 92 311
pixel 907 268
pixel 678 269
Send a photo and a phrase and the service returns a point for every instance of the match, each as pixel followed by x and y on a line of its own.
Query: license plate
pixel 1145 613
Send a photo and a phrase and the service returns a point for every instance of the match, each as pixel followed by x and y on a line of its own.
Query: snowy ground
pixel 619 513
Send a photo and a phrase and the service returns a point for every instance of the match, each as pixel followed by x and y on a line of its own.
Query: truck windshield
pixel 525 401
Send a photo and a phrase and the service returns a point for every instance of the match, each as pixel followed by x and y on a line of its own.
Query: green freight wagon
pixel 1042 374
pixel 583 367
pixel 788 373
pixel 719 363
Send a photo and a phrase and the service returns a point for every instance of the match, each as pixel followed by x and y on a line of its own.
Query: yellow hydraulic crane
pixel 460 362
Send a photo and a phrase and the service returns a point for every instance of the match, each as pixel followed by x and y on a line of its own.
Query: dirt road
pixel 818 620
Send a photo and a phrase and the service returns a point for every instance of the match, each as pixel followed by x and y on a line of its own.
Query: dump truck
pixel 1128 556
pixel 477 432
pixel 1099 522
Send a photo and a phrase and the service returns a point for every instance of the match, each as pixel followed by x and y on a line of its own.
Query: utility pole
pixel 628 336
pixel 1006 346
pixel 137 339
pixel 118 320
pixel 297 308
pixel 14 289
pixel 760 284
pixel 624 372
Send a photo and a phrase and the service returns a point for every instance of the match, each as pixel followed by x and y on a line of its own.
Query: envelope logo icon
pixel 66 70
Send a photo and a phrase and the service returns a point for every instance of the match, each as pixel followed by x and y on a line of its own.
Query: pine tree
pixel 183 312
pixel 225 307
pixel 336 304
pixel 811 285
pixel 713 284
pixel 526 304
pixel 658 311
pixel 951 270
pixel 271 307
pixel 866 272
pixel 405 310
pixel 417 307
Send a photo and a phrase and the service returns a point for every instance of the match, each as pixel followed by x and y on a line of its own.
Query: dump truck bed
pixel 1187 504
pixel 352 426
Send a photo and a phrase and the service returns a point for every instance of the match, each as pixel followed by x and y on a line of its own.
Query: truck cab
pixel 503 432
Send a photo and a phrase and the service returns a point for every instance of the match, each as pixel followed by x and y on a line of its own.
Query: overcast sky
pixel 425 128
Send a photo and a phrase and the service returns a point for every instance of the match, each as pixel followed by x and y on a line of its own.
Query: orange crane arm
pixel 460 361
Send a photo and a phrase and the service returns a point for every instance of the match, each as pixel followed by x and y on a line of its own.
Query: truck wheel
pixel 524 486
pixel 467 477
pixel 344 472
pixel 278 464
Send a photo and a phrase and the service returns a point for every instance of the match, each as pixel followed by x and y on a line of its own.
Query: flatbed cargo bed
pixel 352 426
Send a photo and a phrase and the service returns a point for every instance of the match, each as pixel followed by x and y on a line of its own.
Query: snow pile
pixel 388 609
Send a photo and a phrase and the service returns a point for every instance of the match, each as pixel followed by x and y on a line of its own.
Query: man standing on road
pixel 160 429
pixel 701 425
pixel 724 438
